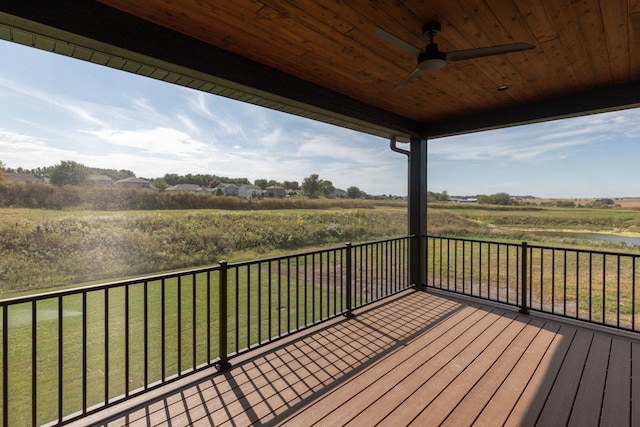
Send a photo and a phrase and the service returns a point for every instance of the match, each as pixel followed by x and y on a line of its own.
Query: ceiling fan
pixel 432 59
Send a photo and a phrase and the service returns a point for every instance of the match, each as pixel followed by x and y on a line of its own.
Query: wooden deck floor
pixel 418 359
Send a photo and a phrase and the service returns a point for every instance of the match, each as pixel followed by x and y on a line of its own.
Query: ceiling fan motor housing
pixel 432 58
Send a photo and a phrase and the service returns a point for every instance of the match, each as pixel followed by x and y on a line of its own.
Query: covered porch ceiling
pixel 322 59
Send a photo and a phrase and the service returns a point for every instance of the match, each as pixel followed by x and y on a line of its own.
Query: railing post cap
pixel 222 262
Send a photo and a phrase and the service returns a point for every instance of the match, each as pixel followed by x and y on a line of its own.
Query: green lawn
pixel 271 299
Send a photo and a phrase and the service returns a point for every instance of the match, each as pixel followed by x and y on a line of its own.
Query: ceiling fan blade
pixel 460 55
pixel 390 38
pixel 412 75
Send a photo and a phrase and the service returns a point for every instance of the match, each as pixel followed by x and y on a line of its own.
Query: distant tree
pixel 437 197
pixel 114 174
pixel 503 199
pixel 565 204
pixel 160 183
pixel 291 185
pixel 311 185
pixel 69 172
pixel 262 183
pixel 353 192
pixel 236 181
pixel 600 203
pixel 214 182
pixel 327 187
pixel 171 178
pixel 40 172
pixel 3 173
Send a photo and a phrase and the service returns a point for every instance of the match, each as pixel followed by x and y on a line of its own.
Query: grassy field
pixel 44 249
pixel 177 319
pixel 49 249
pixel 582 279
pixel 532 223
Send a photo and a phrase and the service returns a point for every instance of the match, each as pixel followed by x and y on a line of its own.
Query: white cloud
pixel 18 150
pixel 272 139
pixel 78 108
pixel 156 141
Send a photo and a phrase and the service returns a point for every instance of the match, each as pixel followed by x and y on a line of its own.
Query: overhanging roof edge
pixel 601 100
pixel 102 29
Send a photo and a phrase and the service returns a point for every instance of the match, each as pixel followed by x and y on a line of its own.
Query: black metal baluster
pixel 179 315
pixel 223 364
pixel 564 285
pixel 553 281
pixel 127 350
pixel 348 273
pixel 590 285
pixel 306 287
pixel 237 307
pixel 523 269
pixel 269 305
pixel 288 294
pixel 577 284
pixel 248 306
pixel 146 334
pixel 297 270
pixel 335 282
pixel 279 311
pixel 604 287
pixel 194 321
pixel 633 293
pixel 163 333
pixel 34 364
pixel 618 295
pixel 542 279
pixel 106 345
pixel 367 281
pixel 259 302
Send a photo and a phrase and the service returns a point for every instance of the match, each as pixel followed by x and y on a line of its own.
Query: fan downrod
pixel 431 30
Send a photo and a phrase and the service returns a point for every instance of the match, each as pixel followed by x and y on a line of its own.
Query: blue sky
pixel 53 108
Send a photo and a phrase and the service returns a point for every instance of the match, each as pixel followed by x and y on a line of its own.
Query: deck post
pixel 418 212
pixel 223 364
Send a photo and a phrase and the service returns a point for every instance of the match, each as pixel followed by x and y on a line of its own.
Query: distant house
pixel 228 189
pixel 275 191
pixel 100 180
pixel 249 191
pixel 24 178
pixel 339 194
pixel 463 200
pixel 135 183
pixel 184 188
pixel 206 191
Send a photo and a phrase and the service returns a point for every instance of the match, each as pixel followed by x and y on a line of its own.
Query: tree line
pixel 69 172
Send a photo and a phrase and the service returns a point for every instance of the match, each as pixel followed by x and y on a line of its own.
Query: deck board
pixel 588 401
pixel 469 408
pixel 421 358
pixel 615 406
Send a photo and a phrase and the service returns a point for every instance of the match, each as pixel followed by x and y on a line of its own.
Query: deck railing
pixel 66 354
pixel 69 353
pixel 593 286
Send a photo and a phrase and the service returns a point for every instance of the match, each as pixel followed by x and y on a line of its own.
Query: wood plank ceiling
pixel 582 48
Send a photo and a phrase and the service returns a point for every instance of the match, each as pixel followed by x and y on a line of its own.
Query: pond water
pixel 601 237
